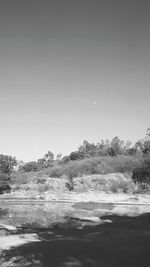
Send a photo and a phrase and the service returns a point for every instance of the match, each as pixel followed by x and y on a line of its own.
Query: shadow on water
pixel 3 212
pixel 125 242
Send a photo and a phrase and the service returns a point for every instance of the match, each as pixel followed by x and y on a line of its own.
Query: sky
pixel 72 71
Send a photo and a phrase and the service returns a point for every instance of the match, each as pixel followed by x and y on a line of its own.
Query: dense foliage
pixel 7 164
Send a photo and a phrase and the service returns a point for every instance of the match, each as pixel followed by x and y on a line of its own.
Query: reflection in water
pixel 3 212
pixel 125 242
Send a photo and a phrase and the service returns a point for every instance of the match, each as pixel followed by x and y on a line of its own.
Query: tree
pixel 30 166
pixel 4 183
pixel 41 163
pixel 132 151
pixel 117 145
pixel 139 145
pixel 76 155
pixel 88 149
pixel 143 145
pixel 148 133
pixel 59 156
pixel 49 156
pixel 7 164
pixel 103 147
pixel 146 149
pixel 65 159
pixel 128 144
pixel 111 152
pixel 147 142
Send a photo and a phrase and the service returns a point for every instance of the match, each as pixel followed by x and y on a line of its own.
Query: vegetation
pixel 95 165
pixel 107 156
pixel 29 166
pixel 7 163
pixel 34 184
pixel 6 167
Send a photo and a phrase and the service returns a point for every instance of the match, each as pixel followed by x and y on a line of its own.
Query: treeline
pixel 109 148
pixel 112 147
pixel 107 156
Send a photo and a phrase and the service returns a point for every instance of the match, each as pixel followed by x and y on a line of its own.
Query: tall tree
pixel 117 145
pixel 59 156
pixel 7 163
pixel 49 156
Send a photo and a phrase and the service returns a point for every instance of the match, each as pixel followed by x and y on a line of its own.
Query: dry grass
pixel 115 182
pixel 96 165
pixel 105 183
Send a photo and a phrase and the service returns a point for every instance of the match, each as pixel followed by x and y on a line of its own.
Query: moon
pixel 94 102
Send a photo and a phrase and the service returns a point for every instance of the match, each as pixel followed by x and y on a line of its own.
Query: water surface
pixel 67 240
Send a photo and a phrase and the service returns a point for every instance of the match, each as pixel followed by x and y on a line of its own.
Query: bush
pixel 7 163
pixel 4 188
pixel 105 183
pixel 141 175
pixel 124 163
pixel 21 178
pixel 76 155
pixel 42 188
pixel 4 177
pixel 29 166
pixel 4 183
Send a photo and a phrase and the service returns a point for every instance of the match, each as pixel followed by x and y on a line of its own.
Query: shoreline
pixel 74 197
pixel 69 202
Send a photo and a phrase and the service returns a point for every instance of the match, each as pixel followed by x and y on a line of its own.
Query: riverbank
pixel 104 188
pixel 73 197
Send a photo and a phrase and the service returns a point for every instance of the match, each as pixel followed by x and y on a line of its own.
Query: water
pixel 54 234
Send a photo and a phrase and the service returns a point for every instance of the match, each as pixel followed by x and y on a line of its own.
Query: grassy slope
pixel 83 175
pixel 96 165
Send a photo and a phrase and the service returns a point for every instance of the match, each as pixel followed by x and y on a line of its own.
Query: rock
pixel 6 242
pixel 90 219
pixel 125 211
pixel 107 221
pixel 71 262
pixel 8 227
pixel 80 213
pixel 92 205
pixel 100 212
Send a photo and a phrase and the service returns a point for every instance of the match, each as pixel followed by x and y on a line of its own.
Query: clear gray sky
pixel 72 70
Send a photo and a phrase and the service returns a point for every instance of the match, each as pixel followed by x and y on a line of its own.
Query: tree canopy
pixel 7 163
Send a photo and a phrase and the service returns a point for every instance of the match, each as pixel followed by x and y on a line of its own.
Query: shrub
pixel 4 188
pixel 4 183
pixel 42 188
pixel 7 163
pixel 105 183
pixel 141 175
pixel 4 177
pixel 76 155
pixel 41 180
pixel 21 178
pixel 29 166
